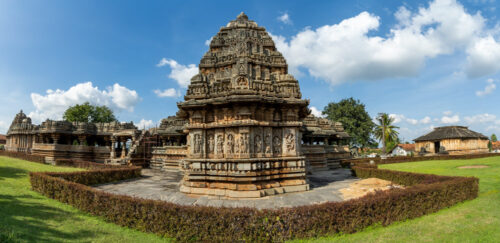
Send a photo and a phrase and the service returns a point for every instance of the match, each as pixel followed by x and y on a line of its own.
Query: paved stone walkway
pixel 164 185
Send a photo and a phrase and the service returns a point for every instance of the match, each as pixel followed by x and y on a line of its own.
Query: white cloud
pixel 450 119
pixel 3 127
pixel 447 113
pixel 425 120
pixel 145 124
pixel 398 118
pixel 168 93
pixel 412 121
pixel 182 74
pixel 285 18
pixel 347 51
pixel 316 112
pixel 481 118
pixel 483 57
pixel 53 104
pixel 490 87
pixel 207 42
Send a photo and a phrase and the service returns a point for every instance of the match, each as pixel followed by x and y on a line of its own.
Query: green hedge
pixel 84 164
pixel 404 159
pixel 23 156
pixel 425 194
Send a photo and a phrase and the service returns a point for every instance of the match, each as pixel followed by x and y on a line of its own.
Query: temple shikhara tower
pixel 244 115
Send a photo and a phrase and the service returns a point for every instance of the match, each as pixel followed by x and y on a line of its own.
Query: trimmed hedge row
pixel 403 159
pixel 425 194
pixel 23 156
pixel 84 164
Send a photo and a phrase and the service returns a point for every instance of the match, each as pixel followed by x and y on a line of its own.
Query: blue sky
pixel 429 63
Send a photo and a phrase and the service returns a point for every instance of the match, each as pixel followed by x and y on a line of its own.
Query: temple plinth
pixel 244 114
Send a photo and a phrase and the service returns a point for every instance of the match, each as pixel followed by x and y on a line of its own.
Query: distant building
pixel 3 139
pixel 452 140
pixel 403 150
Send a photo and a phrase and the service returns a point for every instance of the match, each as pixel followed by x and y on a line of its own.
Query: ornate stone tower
pixel 244 112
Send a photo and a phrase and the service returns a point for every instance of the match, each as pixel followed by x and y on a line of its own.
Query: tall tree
pixel 89 113
pixel 494 137
pixel 357 123
pixel 385 131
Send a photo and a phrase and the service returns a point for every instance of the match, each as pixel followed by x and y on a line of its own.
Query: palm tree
pixel 385 131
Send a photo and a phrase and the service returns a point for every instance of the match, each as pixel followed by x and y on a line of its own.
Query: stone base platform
pixel 244 194
pixel 165 185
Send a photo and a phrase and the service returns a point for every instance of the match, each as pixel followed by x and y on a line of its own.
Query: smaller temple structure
pixel 169 144
pixel 113 142
pixel 324 143
pixel 452 140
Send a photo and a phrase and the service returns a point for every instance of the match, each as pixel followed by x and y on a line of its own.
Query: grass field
pixel 473 221
pixel 26 216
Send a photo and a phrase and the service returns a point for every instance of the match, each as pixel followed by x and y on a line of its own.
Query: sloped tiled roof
pixel 3 137
pixel 407 147
pixel 450 132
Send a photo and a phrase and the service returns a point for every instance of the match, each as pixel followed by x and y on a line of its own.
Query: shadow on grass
pixel 11 172
pixel 24 219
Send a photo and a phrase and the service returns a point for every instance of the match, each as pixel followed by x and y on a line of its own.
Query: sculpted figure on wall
pixel 220 144
pixel 267 142
pixel 230 144
pixel 277 145
pixel 258 144
pixel 290 142
pixel 244 143
pixel 211 143
pixel 197 143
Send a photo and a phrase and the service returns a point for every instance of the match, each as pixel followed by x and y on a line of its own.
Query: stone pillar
pixel 82 139
pixel 113 143
pixel 55 138
pixel 123 146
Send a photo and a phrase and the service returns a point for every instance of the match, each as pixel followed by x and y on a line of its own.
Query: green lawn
pixel 26 216
pixel 473 221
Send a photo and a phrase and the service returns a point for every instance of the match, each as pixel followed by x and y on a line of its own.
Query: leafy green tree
pixel 89 113
pixel 357 123
pixel 385 131
pixel 494 137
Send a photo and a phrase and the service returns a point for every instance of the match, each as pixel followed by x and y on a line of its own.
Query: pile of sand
pixel 473 167
pixel 365 186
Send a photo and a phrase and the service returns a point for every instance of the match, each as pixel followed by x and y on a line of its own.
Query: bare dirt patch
pixel 473 167
pixel 365 186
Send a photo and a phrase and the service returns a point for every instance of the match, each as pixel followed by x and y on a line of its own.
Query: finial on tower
pixel 242 15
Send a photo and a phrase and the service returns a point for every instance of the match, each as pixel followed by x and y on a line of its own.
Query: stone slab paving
pixel 164 185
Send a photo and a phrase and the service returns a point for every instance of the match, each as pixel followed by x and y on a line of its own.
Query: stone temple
pixel 244 114
pixel 242 131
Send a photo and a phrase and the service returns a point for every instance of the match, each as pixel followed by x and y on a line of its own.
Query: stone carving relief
pixel 220 144
pixel 258 144
pixel 290 141
pixel 267 142
pixel 197 143
pixel 277 145
pixel 211 143
pixel 230 144
pixel 244 143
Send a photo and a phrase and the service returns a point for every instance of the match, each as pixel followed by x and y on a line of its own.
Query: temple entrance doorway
pixel 437 146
